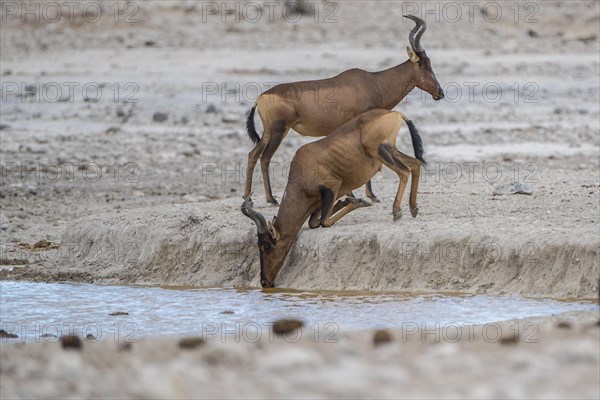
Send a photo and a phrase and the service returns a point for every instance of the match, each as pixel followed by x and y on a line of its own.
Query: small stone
pixel 160 116
pixel 49 336
pixel 381 336
pixel 509 339
pixel 564 325
pixel 230 118
pixel 125 346
pixel 285 326
pixel 117 313
pixel 112 130
pixel 514 188
pixel 227 312
pixel 90 338
pixel 191 342
pixel 4 219
pixel 71 342
pixel 520 188
pixel 4 334
pixel 42 244
pixel 211 109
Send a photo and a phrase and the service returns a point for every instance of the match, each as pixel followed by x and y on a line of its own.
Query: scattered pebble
pixel 230 118
pixel 90 338
pixel 381 336
pixel 4 334
pixel 514 188
pixel 160 116
pixel 211 109
pixel 227 312
pixel 285 326
pixel 49 336
pixel 564 325
pixel 116 313
pixel 71 342
pixel 191 342
pixel 125 346
pixel 509 339
pixel 520 188
pixel 39 245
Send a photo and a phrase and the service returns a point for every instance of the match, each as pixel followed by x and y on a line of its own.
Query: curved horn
pixel 255 216
pixel 414 37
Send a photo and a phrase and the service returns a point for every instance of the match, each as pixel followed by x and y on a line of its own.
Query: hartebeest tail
pixel 250 126
pixel 416 141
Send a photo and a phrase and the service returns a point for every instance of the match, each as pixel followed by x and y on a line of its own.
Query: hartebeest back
pixel 317 108
pixel 323 171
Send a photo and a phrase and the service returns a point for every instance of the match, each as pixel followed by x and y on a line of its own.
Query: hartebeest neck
pixel 290 218
pixel 395 83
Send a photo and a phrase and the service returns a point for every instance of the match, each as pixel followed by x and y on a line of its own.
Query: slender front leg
pixel 253 157
pixel 278 130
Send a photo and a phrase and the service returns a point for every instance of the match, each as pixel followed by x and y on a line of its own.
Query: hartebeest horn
pixel 259 220
pixel 414 37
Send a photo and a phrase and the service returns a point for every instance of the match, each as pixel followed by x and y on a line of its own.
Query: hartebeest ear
pixel 273 231
pixel 412 55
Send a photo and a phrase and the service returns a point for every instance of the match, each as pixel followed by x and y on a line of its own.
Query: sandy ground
pixel 546 358
pixel 133 199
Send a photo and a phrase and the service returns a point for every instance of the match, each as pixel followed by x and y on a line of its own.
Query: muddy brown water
pixel 45 311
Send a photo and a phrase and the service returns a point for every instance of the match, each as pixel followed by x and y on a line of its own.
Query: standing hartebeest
pixel 323 171
pixel 317 108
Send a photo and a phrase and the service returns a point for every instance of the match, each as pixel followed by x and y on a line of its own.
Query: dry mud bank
pixel 547 358
pixel 212 244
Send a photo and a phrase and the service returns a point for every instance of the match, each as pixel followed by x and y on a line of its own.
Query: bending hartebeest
pixel 317 108
pixel 323 171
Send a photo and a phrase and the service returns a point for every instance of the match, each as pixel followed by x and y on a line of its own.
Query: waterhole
pixel 42 311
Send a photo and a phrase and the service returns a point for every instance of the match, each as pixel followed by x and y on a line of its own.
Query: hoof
pixel 374 199
pixel 364 203
pixel 358 202
pixel 414 211
pixel 397 215
pixel 273 202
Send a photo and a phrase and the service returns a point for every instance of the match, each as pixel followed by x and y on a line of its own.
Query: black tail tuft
pixel 250 127
pixel 416 142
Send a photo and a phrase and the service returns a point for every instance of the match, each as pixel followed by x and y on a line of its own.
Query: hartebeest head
pixel 272 255
pixel 424 77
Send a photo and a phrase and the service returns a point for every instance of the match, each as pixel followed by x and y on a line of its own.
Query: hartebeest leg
pixel 396 160
pixel 253 157
pixel 349 204
pixel 370 194
pixel 278 132
pixel 315 218
pixel 415 169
